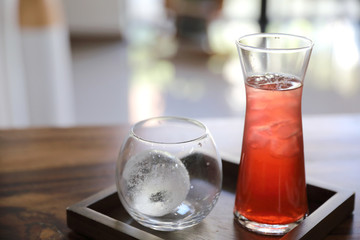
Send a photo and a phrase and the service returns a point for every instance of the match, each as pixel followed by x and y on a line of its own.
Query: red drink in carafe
pixel 271 186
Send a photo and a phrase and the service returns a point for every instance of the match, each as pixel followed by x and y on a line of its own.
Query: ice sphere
pixel 156 181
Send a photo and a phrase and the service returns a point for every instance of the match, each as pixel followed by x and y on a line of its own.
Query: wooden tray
pixel 102 216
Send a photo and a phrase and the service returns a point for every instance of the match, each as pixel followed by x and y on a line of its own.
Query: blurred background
pixel 89 62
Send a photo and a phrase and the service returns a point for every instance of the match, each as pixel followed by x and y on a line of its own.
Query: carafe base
pixel 265 229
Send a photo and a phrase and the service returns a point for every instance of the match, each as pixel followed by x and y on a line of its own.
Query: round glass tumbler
pixel 169 173
pixel 271 189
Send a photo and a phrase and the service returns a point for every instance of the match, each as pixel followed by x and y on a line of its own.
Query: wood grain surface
pixel 43 171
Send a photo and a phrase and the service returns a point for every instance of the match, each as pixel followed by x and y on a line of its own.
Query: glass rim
pixel 193 122
pixel 308 43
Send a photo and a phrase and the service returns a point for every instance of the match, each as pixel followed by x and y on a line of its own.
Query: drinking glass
pixel 271 188
pixel 169 173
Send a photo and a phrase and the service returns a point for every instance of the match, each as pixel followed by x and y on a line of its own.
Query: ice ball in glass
pixel 169 173
pixel 157 182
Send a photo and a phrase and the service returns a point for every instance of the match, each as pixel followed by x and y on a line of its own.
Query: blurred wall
pixel 95 18
pixel 13 111
pixel 29 53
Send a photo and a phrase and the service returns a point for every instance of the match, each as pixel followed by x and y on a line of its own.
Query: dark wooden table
pixel 42 171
